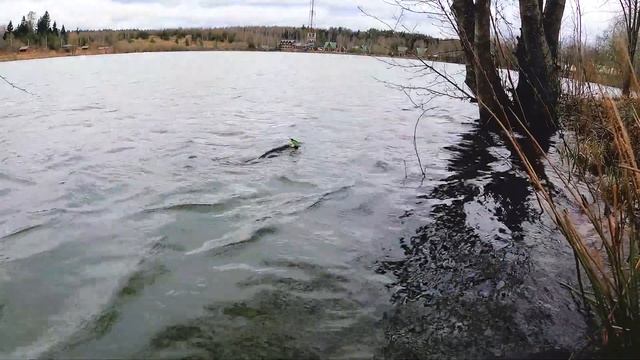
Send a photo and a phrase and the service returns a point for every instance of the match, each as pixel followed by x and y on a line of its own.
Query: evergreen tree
pixel 64 35
pixel 8 31
pixel 23 29
pixel 44 24
pixel 54 29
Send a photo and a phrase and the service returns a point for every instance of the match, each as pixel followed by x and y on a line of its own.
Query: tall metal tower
pixel 312 14
pixel 311 35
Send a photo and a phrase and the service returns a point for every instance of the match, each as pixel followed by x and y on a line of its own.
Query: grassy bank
pixel 45 54
pixel 42 54
pixel 601 180
pixel 151 44
pixel 591 121
pixel 260 38
pixel 144 46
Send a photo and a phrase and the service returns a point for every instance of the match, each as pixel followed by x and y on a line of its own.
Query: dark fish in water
pixel 275 151
pixel 293 144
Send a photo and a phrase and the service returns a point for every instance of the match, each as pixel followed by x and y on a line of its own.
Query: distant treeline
pixel 37 32
pixel 41 33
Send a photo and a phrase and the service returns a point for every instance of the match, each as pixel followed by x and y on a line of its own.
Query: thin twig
pixel 15 86
pixel 447 79
pixel 415 143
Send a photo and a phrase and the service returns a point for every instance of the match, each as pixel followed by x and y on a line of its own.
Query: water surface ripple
pixel 135 223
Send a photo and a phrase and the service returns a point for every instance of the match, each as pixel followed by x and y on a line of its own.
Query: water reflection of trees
pixel 460 286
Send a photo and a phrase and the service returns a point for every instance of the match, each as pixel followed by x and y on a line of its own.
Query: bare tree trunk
pixel 631 12
pixel 629 66
pixel 538 85
pixel 552 19
pixel 536 97
pixel 490 93
pixel 464 14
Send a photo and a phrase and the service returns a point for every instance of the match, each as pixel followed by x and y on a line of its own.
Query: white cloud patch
pixel 119 14
pixel 154 14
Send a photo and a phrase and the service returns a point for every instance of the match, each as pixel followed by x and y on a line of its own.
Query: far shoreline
pixel 39 54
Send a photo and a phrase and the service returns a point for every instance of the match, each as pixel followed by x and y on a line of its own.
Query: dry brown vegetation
pixel 595 203
pixel 371 42
pixel 603 179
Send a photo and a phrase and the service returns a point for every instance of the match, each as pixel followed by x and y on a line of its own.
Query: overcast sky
pixel 118 14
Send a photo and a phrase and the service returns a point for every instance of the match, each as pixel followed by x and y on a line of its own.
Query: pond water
pixel 136 221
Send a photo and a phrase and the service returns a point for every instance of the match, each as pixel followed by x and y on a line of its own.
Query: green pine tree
pixel 8 35
pixel 43 26
pixel 64 35
pixel 23 29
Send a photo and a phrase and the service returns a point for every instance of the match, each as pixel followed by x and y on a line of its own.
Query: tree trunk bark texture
pixel 538 85
pixel 490 92
pixel 538 90
pixel 464 14
pixel 629 66
pixel 631 16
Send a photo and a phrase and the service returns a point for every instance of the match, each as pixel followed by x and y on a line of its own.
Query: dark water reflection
pixel 467 284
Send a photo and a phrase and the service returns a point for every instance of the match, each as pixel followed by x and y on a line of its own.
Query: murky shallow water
pixel 133 222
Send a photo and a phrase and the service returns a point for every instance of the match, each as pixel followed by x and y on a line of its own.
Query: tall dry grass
pixel 603 178
pixel 599 212
pixel 598 208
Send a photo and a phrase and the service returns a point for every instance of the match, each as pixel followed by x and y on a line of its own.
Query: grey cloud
pixel 93 14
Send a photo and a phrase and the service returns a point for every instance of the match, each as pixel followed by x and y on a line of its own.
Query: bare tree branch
pixel 423 63
pixel 415 128
pixel 15 86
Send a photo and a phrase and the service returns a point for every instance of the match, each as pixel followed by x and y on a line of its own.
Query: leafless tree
pixel 630 12
pixel 534 99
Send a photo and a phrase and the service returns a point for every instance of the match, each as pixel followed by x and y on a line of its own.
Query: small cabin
pixel 402 50
pixel 86 47
pixel 24 48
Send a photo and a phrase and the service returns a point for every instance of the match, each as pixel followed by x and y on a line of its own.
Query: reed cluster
pixel 597 208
